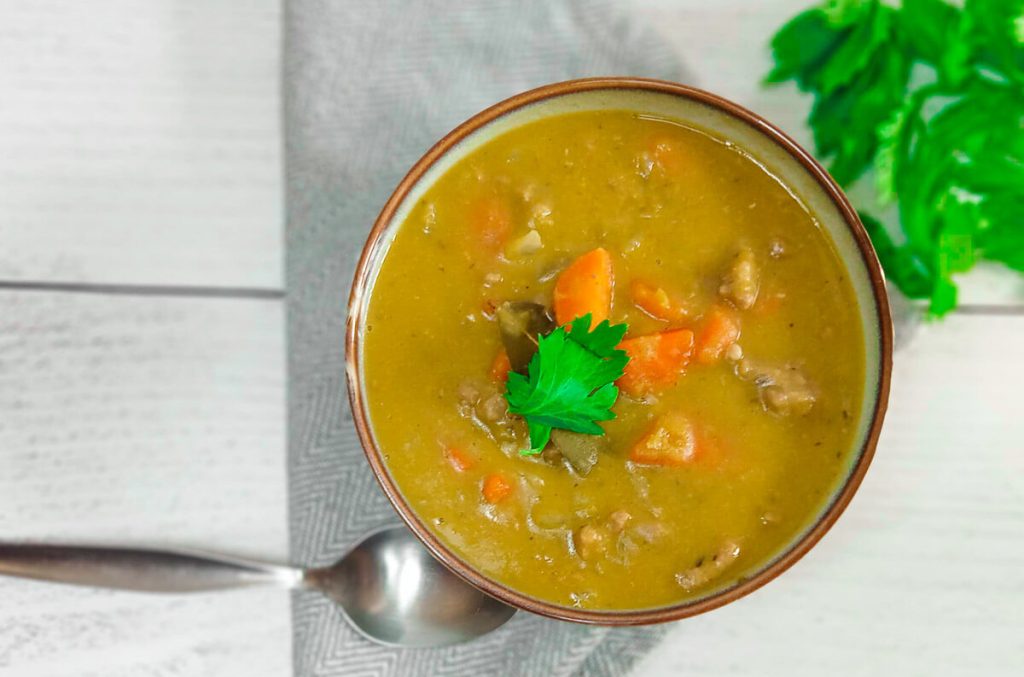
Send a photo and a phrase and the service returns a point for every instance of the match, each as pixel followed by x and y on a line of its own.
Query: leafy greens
pixel 931 96
pixel 570 381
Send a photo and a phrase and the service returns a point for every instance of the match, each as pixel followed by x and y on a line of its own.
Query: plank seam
pixel 188 291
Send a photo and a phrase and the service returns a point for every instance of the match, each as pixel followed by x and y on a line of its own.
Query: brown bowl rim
pixel 500 591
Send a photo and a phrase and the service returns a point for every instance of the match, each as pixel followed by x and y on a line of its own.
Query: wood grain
pixel 148 421
pixel 141 142
pixel 921 576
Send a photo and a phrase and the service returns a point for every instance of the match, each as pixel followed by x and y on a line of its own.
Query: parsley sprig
pixel 570 382
pixel 931 96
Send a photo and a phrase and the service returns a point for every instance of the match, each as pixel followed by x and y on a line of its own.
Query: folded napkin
pixel 369 86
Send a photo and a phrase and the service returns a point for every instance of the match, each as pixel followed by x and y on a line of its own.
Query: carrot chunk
pixel 656 302
pixel 655 360
pixel 721 329
pixel 585 287
pixel 668 154
pixel 496 488
pixel 672 441
pixel 459 459
pixel 491 220
pixel 500 367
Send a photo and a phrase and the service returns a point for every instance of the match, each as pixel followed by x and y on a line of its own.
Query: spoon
pixel 388 586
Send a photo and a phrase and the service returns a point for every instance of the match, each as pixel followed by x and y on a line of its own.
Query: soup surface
pixel 736 417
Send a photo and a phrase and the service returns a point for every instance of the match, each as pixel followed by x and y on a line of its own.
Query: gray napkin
pixel 369 86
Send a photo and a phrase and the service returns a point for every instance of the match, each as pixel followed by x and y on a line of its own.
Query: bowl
pixel 781 156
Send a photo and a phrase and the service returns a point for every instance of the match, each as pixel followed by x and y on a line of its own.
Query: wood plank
pixel 921 576
pixel 724 45
pixel 147 421
pixel 140 142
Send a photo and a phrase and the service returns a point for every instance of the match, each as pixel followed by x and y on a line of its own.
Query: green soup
pixel 723 448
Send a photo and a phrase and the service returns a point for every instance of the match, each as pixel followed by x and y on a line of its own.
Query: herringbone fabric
pixel 369 85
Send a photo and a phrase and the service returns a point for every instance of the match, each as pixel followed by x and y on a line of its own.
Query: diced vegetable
pixel 579 449
pixel 655 360
pixel 524 245
pixel 496 488
pixel 617 520
pixel 585 287
pixel 492 409
pixel 500 367
pixel 783 390
pixel 741 282
pixel 459 459
pixel 668 155
pixel 721 329
pixel 521 323
pixel 656 302
pixel 591 541
pixel 671 442
pixel 709 568
pixel 491 220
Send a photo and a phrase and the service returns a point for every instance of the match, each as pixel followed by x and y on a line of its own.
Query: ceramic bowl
pixel 781 156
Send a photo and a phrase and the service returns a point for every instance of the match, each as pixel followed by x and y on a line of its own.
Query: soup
pixel 736 413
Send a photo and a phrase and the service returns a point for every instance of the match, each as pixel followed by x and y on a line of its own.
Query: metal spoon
pixel 388 586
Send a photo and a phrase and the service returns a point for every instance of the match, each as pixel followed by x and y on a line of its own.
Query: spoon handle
pixel 139 569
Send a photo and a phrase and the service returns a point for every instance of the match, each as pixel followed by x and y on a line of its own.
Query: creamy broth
pixel 694 227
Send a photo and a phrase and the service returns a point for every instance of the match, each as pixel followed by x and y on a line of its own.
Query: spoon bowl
pixel 394 592
pixel 387 585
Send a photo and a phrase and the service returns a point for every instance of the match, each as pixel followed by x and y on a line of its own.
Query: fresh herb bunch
pixel 932 96
pixel 570 381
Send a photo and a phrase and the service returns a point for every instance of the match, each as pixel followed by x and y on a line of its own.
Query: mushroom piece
pixel 590 541
pixel 783 390
pixel 520 324
pixel 581 450
pixel 493 408
pixel 708 569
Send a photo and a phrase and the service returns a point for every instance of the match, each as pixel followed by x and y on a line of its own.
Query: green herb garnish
pixel 570 382
pixel 931 96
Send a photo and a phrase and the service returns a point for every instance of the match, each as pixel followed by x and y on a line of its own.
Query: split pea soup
pixel 733 420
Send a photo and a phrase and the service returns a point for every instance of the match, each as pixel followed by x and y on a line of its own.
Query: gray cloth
pixel 369 86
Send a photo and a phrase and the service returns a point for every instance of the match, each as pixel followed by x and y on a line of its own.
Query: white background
pixel 140 145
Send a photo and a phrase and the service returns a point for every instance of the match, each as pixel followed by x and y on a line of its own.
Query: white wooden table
pixel 142 384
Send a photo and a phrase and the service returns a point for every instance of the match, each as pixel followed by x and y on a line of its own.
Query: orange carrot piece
pixel 500 367
pixel 668 154
pixel 585 287
pixel 655 360
pixel 496 488
pixel 721 329
pixel 459 460
pixel 671 441
pixel 656 302
pixel 491 219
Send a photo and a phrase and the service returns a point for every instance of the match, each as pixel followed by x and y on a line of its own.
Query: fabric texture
pixel 369 86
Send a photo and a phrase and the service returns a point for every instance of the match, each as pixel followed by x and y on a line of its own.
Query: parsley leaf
pixel 947 145
pixel 570 382
pixel 801 46
pixel 932 29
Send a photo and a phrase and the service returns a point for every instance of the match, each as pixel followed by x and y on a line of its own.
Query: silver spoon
pixel 390 588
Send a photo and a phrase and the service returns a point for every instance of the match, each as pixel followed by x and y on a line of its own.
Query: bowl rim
pixel 353 348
